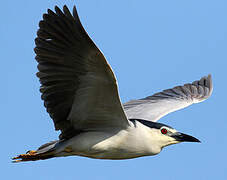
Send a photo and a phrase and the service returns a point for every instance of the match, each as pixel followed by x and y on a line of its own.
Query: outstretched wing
pixel 77 84
pixel 154 107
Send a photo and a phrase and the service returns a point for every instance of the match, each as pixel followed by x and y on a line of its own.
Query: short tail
pixel 45 151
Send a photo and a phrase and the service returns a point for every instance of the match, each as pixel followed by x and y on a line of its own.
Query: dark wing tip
pixel 75 14
pixel 56 8
pixel 67 12
pixel 209 78
pixel 209 83
pixel 205 82
pixel 49 11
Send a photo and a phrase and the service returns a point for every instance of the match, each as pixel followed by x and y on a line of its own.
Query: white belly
pixel 125 144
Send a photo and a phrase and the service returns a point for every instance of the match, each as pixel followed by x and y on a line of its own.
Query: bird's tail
pixel 45 151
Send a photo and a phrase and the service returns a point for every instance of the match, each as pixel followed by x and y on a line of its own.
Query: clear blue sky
pixel 151 45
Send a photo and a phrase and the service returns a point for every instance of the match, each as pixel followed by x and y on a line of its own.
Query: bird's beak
pixel 184 137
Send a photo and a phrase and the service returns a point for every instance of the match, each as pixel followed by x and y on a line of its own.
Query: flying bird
pixel 80 93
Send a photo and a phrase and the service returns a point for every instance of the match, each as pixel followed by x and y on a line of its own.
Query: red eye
pixel 164 131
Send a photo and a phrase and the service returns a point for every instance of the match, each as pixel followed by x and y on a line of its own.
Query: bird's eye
pixel 164 131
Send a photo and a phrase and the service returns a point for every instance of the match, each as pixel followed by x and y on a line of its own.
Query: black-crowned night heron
pixel 80 93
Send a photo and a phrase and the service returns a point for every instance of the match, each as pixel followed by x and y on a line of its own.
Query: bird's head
pixel 166 135
pixel 163 135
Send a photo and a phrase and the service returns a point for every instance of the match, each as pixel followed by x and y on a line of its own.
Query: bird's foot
pixel 23 157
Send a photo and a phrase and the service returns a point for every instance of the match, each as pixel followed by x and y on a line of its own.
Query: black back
pixel 149 123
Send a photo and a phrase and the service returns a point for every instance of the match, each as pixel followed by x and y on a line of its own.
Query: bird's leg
pixel 31 152
pixel 23 157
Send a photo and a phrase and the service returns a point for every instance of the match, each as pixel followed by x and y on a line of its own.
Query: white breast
pixel 133 142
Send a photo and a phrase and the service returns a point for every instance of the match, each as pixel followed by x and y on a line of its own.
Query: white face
pixel 162 136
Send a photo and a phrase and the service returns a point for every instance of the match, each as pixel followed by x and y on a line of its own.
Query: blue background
pixel 151 45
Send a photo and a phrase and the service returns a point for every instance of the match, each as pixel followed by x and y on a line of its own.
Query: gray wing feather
pixel 158 105
pixel 77 84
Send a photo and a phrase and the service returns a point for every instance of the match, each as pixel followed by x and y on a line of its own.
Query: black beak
pixel 184 137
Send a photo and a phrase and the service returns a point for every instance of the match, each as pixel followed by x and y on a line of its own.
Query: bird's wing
pixel 78 87
pixel 158 105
